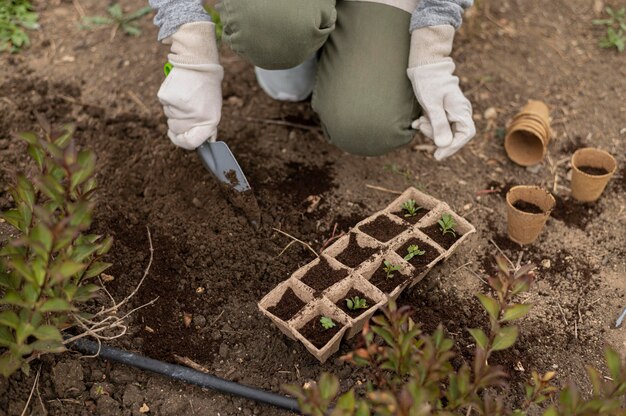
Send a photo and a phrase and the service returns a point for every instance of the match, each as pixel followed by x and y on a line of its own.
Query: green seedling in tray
pixel 413 251
pixel 389 268
pixel 447 224
pixel 411 208
pixel 356 303
pixel 327 323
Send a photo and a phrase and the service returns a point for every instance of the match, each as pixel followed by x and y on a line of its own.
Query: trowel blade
pixel 219 160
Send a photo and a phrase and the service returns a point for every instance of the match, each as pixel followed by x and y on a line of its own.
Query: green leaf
pixel 37 154
pixel 12 298
pixel 490 305
pixel 329 386
pixel 56 305
pixel 6 337
pixel 9 364
pixel 105 246
pixel 25 191
pixel 10 319
pixel 13 217
pixel 48 333
pixel 29 137
pixel 68 268
pixel 43 235
pixel 505 338
pixel 613 363
pixel 96 268
pixel 50 346
pixel 131 30
pixel 23 331
pixel 116 11
pixel 347 401
pixel 516 311
pixel 480 337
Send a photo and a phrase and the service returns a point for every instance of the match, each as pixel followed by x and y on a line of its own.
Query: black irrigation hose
pixel 185 374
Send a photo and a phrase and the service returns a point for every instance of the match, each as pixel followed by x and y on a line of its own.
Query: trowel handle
pixel 206 156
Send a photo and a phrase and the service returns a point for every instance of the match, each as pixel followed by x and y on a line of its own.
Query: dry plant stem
pixel 380 188
pixel 32 390
pixel 190 363
pixel 501 252
pixel 295 240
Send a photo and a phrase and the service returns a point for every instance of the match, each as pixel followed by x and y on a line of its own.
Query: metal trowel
pixel 220 161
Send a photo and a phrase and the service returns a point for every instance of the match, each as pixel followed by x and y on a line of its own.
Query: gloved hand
pixel 191 94
pixel 447 118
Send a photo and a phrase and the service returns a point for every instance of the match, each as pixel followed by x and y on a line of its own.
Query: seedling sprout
pixel 356 303
pixel 411 208
pixel 327 323
pixel 390 268
pixel 413 251
pixel 447 224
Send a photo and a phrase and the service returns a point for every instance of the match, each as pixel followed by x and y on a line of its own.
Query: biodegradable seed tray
pixel 362 256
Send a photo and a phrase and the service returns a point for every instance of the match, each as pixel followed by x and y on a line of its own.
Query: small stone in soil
pixel 528 207
pixel 353 255
pixel 446 240
pixel 412 219
pixel 288 306
pixel 382 229
pixel 343 305
pixel 316 334
pixel 322 276
pixel 419 262
pixel 592 170
pixel 387 285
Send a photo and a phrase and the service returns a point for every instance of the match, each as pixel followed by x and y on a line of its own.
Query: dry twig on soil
pixel 295 240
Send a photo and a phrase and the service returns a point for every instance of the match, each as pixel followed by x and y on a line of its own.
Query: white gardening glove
pixel 191 94
pixel 447 118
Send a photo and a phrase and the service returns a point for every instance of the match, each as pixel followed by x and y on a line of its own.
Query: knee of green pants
pixel 366 131
pixel 277 34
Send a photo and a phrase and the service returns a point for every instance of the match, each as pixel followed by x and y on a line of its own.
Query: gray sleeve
pixel 171 14
pixel 439 12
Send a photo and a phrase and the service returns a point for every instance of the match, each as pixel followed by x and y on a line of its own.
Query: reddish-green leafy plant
pixel 47 269
pixel 411 373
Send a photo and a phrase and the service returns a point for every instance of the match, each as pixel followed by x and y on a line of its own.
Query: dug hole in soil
pixel 210 264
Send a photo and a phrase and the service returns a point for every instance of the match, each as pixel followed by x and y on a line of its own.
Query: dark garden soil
pixel 386 285
pixel 343 305
pixel 288 306
pixel 446 240
pixel 322 276
pixel 594 171
pixel 528 207
pixel 353 255
pixel 211 265
pixel 383 229
pixel 316 334
pixel 413 219
pixel 419 262
pixel 575 213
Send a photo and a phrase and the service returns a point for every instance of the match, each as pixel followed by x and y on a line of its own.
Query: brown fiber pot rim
pixel 531 127
pixel 609 157
pixel 510 202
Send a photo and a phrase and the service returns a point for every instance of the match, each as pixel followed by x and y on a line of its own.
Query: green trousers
pixel 362 94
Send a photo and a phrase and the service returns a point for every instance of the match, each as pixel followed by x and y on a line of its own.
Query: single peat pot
pixel 354 249
pixel 284 302
pixel 383 228
pixel 390 274
pixel 371 300
pixel 412 206
pixel 321 273
pixel 528 136
pixel 591 171
pixel 320 341
pixel 528 209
